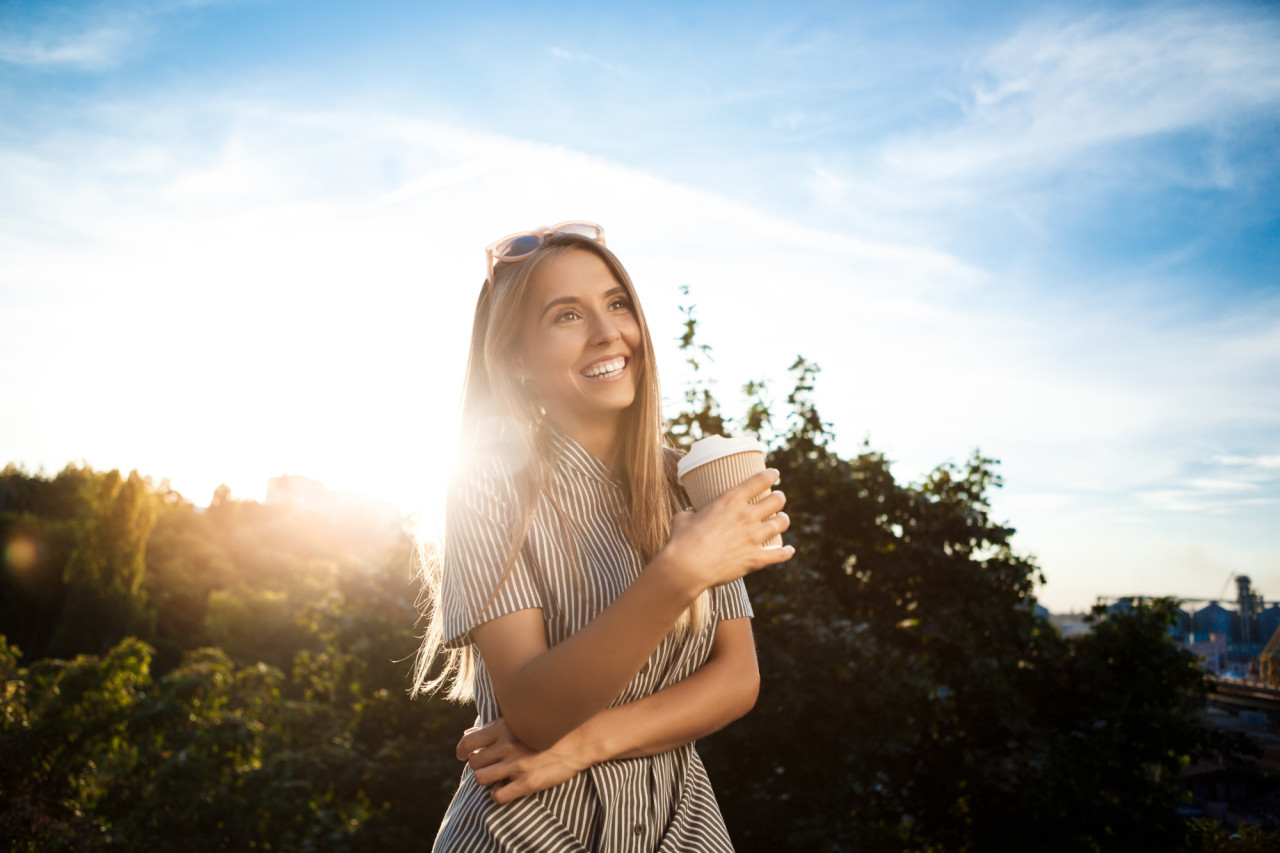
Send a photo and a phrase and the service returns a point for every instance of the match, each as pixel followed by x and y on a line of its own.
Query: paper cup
pixel 716 464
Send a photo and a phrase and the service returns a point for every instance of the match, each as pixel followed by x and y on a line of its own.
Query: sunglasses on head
pixel 522 244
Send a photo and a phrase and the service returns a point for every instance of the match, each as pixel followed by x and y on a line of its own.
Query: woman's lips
pixel 609 368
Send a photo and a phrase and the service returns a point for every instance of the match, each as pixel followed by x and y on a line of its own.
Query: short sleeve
pixel 481 517
pixel 731 601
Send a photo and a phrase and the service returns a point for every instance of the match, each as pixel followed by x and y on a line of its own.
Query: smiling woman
pixel 599 629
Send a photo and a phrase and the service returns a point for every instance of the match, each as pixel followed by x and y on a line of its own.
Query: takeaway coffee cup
pixel 716 464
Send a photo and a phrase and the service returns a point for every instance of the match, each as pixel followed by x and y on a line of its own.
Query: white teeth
pixel 605 368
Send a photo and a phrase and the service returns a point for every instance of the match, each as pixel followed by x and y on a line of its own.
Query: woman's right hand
pixel 510 769
pixel 722 541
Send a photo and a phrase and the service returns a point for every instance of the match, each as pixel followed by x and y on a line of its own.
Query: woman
pixel 599 628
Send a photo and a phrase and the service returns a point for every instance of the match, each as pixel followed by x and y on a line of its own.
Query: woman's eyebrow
pixel 569 300
pixel 562 300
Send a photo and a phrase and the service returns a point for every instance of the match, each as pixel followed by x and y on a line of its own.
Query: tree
pixel 216 749
pixel 1122 715
pixel 64 740
pixel 912 700
pixel 701 415
pixel 103 576
pixel 38 526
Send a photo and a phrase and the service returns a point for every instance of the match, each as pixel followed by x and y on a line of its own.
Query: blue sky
pixel 1047 231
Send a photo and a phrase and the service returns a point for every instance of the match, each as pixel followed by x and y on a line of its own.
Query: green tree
pixel 187 563
pixel 700 416
pixel 65 740
pixel 105 597
pixel 912 700
pixel 216 749
pixel 38 524
pixel 1122 709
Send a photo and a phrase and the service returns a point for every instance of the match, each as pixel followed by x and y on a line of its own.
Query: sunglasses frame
pixel 491 255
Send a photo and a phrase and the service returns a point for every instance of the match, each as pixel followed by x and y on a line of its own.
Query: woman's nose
pixel 604 330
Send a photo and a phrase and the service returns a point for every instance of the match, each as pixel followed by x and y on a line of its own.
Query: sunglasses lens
pixel 583 229
pixel 517 247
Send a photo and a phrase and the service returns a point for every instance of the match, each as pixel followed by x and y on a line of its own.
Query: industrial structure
pixel 1236 638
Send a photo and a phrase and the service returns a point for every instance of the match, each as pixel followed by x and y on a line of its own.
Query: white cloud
pixel 586 59
pixel 92 37
pixel 1054 90
pixel 789 120
pixel 1266 462
pixel 1212 484
pixel 1195 500
pixel 91 49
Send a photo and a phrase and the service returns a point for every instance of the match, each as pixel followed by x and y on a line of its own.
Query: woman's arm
pixel 723 689
pixel 545 693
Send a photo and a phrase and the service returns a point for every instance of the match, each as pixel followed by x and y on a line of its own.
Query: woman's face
pixel 581 347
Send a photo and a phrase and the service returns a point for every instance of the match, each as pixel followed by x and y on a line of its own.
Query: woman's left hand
pixel 510 768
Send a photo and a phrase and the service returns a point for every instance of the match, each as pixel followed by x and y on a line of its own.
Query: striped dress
pixel 575 561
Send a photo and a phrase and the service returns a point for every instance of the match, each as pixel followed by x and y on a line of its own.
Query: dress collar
pixel 575 457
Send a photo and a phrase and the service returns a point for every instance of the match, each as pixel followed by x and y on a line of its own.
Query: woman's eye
pixel 566 316
pixel 620 304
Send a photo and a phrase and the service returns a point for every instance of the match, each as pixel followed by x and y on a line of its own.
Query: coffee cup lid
pixel 715 447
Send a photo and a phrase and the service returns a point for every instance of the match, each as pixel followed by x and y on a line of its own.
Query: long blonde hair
pixel 496 411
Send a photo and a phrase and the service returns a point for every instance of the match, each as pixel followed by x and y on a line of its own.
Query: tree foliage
pixel 106 601
pixel 270 713
pixel 911 698
pixel 97 753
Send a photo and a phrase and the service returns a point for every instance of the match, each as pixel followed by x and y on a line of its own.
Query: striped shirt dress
pixel 574 563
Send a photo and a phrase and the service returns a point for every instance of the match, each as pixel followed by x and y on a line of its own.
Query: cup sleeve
pixel 481 518
pixel 731 601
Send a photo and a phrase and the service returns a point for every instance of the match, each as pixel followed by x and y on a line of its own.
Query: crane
pixel 1230 577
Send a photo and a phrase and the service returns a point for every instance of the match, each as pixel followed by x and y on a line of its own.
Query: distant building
pixel 1213 618
pixel 1248 604
pixel 346 521
pixel 1121 605
pixel 1212 649
pixel 300 493
pixel 1070 624
pixel 1268 622
pixel 1269 660
pixel 309 495
pixel 1181 628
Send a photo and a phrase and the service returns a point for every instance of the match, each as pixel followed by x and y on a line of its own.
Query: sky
pixel 242 239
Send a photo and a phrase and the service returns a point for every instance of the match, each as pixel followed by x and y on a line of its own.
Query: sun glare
pixel 20 553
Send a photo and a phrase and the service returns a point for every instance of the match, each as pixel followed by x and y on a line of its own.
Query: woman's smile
pixel 581 345
pixel 607 369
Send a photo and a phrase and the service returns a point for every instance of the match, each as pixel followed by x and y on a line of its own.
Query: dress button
pixel 639 829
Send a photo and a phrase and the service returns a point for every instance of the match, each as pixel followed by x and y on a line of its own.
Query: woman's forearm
pixel 545 693
pixel 722 690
